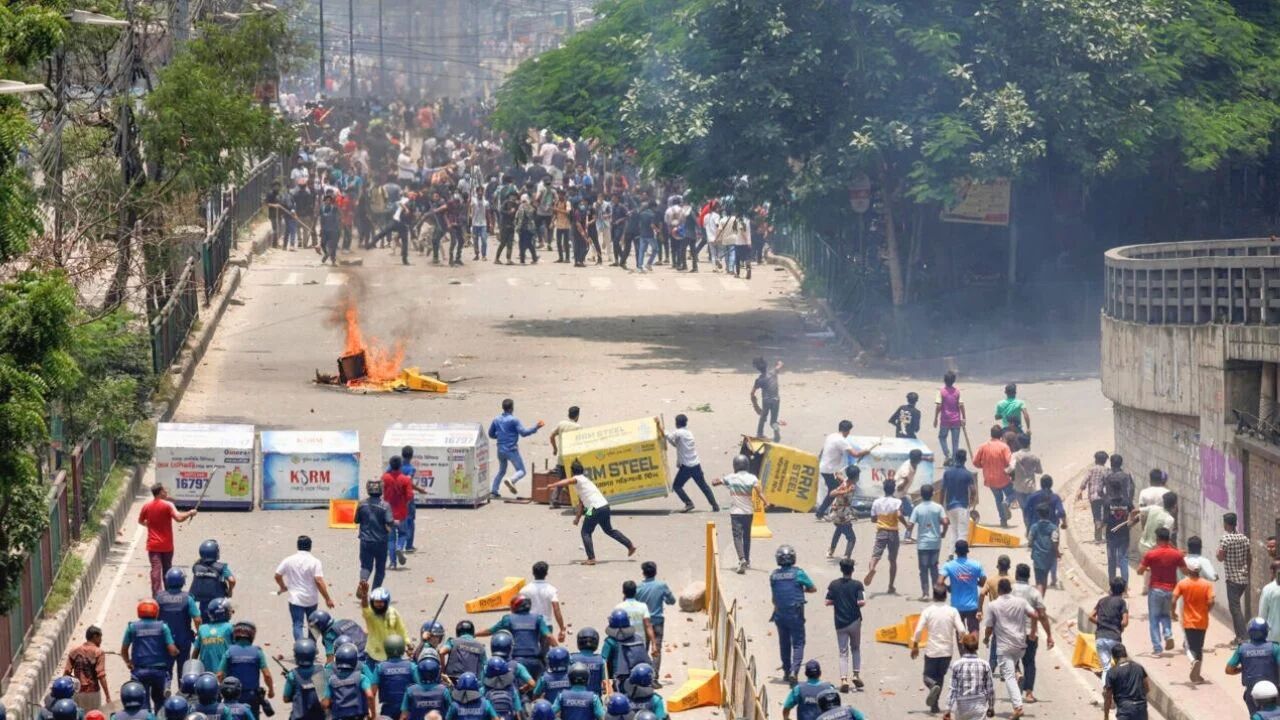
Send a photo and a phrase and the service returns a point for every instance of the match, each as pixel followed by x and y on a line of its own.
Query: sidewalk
pixel 1172 692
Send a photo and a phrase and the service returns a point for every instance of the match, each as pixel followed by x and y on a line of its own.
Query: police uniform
pixel 393 678
pixel 466 654
pixel 526 641
pixel 149 642
pixel 623 651
pixel 804 697
pixel 551 684
pixel 302 689
pixel 245 663
pixel 1257 661
pixel 478 709
pixel 422 698
pixel 177 609
pixel 346 696
pixel 595 665
pixel 503 696
pixel 578 703
pixel 207 584
pixel 788 585
pixel 841 713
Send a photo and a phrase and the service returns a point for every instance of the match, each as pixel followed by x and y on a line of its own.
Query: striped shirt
pixel 971 684
pixel 741 485
pixel 1093 481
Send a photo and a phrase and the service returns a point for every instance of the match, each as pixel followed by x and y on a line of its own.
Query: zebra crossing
pixel 597 282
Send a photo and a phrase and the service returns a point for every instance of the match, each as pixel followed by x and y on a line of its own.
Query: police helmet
pixel 433 628
pixel 231 688
pixel 63 688
pixel 828 699
pixel 244 630
pixel 187 684
pixel 429 670
pixel 207 688
pixel 65 709
pixel 380 596
pixel 785 556
pixel 641 675
pixel 588 639
pixel 148 609
pixel 344 640
pixel 1264 691
pixel 219 609
pixel 193 667
pixel 320 620
pixel 209 551
pixel 174 579
pixel 192 716
pixel 176 708
pixel 557 659
pixel 501 643
pixel 467 688
pixel 579 674
pixel 1258 629
pixel 542 710
pixel 133 695
pixel 496 667
pixel 741 463
pixel 618 705
pixel 464 627
pixel 304 652
pixel 394 646
pixel 346 657
pixel 619 619
pixel 813 669
pixel 645 715
pixel 373 487
pixel 521 604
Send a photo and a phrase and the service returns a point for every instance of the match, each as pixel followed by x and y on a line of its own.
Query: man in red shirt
pixel 993 458
pixel 1163 561
pixel 397 491
pixel 158 515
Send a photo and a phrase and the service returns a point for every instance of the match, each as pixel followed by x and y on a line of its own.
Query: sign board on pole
pixel 860 193
pixel 190 455
pixel 308 468
pixel 626 460
pixel 980 203
pixel 884 463
pixel 788 477
pixel 450 459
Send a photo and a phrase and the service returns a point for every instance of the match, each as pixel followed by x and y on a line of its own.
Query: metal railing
pixel 170 326
pixel 246 202
pixel 1195 283
pixel 744 695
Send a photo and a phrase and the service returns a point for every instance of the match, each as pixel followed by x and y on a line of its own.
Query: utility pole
pixel 323 85
pixel 382 57
pixel 59 118
pixel 351 46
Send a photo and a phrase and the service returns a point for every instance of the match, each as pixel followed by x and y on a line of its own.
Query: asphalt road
pixel 621 346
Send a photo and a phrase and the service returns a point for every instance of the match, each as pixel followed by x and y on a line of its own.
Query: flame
pixel 382 364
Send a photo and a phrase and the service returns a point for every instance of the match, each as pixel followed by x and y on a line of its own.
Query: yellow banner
pixel 626 460
pixel 789 477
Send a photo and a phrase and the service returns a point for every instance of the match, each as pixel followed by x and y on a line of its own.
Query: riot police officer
pixel 556 679
pixel 462 653
pixel 639 691
pixel 428 694
pixel 788 585
pixel 530 633
pixel 133 698
pixel 579 702
pixel 178 610
pixel 176 707
pixel 304 684
pixel 208 696
pixel 210 578
pixel 233 707
pixel 500 688
pixel 147 650
pixel 247 662
pixel 348 695
pixel 588 643
pixel 330 630
pixel 623 647
pixel 1255 661
pixel 66 709
pixel 805 695
pixel 829 705
pixel 392 677
pixel 467 702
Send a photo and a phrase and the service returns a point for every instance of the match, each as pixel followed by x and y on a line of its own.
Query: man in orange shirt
pixel 993 458
pixel 1197 599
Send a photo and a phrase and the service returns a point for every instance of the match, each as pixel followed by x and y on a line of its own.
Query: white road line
pixel 600 283
pixel 733 284
pixel 688 284
pixel 643 283
pixel 109 597
pixel 336 278
pixel 293 278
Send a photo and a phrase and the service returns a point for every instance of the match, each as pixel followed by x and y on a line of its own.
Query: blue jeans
pixel 906 512
pixel 290 232
pixel 928 561
pixel 480 236
pixel 411 526
pixel 790 624
pixel 1118 557
pixel 373 562
pixel 645 246
pixel 395 543
pixel 504 457
pixel 1003 496
pixel 1159 616
pixel 954 432
pixel 1104 655
pixel 298 616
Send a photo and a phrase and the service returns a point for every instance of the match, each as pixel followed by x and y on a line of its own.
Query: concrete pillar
pixel 1267 394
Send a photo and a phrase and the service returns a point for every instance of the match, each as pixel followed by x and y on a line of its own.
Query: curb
pixel 833 322
pixel 51 638
pixel 1159 696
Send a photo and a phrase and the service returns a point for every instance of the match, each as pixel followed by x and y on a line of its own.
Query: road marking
pixel 110 595
pixel 733 284
pixel 336 278
pixel 689 284
pixel 600 283
pixel 293 278
pixel 643 283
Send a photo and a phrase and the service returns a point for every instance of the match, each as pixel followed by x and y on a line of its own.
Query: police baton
pixel 421 641
pixel 280 661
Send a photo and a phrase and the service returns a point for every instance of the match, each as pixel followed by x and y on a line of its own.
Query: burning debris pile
pixel 369 366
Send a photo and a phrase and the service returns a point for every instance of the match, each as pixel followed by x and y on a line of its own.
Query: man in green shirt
pixel 1013 411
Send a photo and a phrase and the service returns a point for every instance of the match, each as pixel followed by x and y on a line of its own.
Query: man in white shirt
pixel 838 452
pixel 592 505
pixel 744 491
pixel 690 467
pixel 711 223
pixel 944 627
pixel 406 172
pixel 637 611
pixel 545 598
pixel 302 577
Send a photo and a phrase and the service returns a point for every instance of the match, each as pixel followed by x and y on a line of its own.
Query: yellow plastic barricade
pixel 499 599
pixel 701 689
pixel 984 536
pixel 1085 655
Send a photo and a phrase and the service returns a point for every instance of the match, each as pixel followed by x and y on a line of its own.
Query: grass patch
pixel 107 495
pixel 63 585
